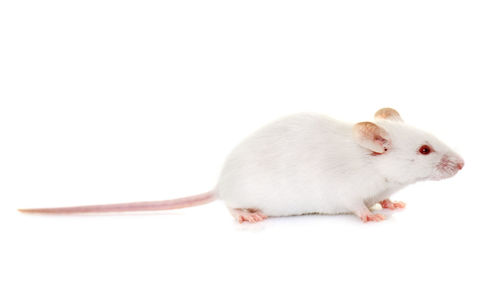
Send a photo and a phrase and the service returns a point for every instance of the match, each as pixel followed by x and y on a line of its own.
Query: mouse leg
pixel 392 205
pixel 366 215
pixel 250 215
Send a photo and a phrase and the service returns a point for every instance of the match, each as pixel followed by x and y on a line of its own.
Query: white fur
pixel 310 163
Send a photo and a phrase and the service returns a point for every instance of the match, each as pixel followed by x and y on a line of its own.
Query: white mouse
pixel 313 164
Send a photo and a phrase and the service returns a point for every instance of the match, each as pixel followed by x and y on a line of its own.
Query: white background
pixel 116 101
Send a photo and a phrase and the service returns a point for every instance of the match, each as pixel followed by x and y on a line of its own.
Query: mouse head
pixel 405 154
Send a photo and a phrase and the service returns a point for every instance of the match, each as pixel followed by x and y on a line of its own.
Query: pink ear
pixel 372 137
pixel 389 114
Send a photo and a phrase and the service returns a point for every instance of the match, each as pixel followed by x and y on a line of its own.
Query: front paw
pixel 372 217
pixel 388 204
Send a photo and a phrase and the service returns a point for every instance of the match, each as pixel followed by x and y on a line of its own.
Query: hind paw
pixel 249 215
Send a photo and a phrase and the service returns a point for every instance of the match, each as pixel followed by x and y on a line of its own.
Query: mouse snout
pixel 455 162
pixel 449 165
pixel 458 162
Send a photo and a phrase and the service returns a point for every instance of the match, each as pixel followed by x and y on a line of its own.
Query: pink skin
pixel 252 215
pixel 169 204
pixel 388 204
pixel 366 217
pixel 249 215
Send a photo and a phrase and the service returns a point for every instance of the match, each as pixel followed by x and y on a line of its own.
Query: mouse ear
pixel 389 114
pixel 372 137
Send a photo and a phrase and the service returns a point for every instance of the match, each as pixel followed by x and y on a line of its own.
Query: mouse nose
pixel 460 165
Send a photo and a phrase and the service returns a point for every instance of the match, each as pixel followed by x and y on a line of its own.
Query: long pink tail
pixel 170 204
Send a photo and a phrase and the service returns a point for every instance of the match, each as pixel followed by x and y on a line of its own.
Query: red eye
pixel 425 149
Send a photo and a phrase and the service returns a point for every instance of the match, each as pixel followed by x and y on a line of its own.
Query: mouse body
pixel 302 164
pixel 314 164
